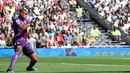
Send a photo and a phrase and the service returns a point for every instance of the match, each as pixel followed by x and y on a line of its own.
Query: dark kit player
pixel 20 25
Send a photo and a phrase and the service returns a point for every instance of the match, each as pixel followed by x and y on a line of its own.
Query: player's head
pixel 23 13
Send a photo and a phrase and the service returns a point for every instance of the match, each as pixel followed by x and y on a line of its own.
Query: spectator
pixel 66 44
pixel 39 43
pixel 44 35
pixel 115 34
pixel 95 32
pixel 72 3
pixel 88 41
pixel 58 36
pixel 2 43
pixel 50 41
pixel 79 12
pixel 34 34
pixel 9 39
pixel 77 38
pixel 126 26
pixel 63 31
pixel 12 10
pixel 32 41
pixel 68 37
pixel 51 33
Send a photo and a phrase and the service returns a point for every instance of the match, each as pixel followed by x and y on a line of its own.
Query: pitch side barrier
pixel 102 22
pixel 57 52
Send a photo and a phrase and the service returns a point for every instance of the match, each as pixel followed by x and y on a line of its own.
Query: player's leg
pixel 33 61
pixel 28 51
pixel 15 57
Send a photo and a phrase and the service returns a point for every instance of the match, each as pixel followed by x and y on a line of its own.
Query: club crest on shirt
pixel 18 21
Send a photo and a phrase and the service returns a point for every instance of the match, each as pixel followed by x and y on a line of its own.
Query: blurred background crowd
pixel 55 23
pixel 117 12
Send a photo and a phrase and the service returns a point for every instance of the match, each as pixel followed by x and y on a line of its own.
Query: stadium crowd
pixel 55 23
pixel 116 12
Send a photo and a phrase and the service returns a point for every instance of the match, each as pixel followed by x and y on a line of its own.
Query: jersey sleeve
pixel 16 22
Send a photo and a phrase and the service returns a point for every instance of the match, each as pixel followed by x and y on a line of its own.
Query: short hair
pixel 23 9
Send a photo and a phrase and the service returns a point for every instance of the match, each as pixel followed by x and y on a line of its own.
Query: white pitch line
pixel 99 65
pixel 76 64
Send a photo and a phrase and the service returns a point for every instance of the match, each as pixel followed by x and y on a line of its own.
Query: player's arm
pixel 24 26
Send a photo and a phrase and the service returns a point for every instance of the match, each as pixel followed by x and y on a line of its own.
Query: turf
pixel 71 65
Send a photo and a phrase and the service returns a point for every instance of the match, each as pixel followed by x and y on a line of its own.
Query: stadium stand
pixel 56 24
pixel 104 20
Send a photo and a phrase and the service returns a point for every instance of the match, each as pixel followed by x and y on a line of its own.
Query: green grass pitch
pixel 71 65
